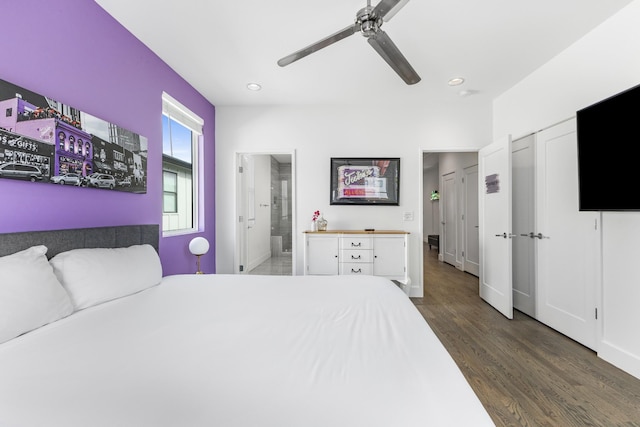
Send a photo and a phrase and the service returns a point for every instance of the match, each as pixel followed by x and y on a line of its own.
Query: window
pixel 181 134
pixel 170 192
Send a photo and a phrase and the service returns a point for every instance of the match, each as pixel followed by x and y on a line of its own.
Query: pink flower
pixel 316 214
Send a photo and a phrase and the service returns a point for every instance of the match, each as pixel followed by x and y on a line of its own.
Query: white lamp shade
pixel 199 246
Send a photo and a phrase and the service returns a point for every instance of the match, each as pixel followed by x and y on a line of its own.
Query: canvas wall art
pixel 44 140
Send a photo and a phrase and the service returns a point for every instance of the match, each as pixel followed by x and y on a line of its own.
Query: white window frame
pixel 181 114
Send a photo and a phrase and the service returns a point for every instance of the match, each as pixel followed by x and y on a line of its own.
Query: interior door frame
pixel 421 153
pixel 240 242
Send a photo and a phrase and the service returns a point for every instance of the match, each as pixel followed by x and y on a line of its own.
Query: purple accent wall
pixel 121 81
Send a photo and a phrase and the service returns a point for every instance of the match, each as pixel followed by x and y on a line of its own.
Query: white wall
pixel 601 64
pixel 317 133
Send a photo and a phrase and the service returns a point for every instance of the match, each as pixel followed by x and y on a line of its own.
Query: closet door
pixel 471 238
pixel 524 285
pixel 568 245
pixel 448 201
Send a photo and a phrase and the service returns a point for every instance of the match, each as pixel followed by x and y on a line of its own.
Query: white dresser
pixel 379 253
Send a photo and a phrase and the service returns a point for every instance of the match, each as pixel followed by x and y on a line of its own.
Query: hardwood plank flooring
pixel 525 373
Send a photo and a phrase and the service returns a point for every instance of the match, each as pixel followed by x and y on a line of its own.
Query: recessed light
pixel 254 86
pixel 455 81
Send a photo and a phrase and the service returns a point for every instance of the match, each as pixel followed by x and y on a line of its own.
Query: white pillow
pixel 30 294
pixel 93 276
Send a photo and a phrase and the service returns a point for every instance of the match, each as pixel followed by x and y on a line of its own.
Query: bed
pixel 219 350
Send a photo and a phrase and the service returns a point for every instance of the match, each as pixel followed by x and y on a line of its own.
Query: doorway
pixel 265 193
pixel 450 208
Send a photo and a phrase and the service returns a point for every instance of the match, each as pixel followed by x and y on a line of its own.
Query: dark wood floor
pixel 525 373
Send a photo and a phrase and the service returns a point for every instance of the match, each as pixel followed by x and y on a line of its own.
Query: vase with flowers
pixel 318 223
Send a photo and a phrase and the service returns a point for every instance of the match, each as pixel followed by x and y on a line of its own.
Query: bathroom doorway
pixel 265 213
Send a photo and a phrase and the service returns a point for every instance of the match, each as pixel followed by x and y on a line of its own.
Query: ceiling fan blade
pixel 319 45
pixel 381 42
pixel 386 9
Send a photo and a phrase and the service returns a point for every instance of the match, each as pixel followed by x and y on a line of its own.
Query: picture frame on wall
pixel 48 141
pixel 365 181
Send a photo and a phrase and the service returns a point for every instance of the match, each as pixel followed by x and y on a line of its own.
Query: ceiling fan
pixel 368 22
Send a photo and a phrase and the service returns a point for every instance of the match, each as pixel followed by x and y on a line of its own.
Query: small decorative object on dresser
pixel 318 223
pixel 322 224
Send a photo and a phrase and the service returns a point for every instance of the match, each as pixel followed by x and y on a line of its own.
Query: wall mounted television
pixel 609 153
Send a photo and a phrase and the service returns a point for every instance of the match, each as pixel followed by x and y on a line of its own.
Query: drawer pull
pixel 353 245
pixel 356 257
pixel 356 271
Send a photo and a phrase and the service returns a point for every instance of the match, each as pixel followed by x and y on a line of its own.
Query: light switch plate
pixel 407 216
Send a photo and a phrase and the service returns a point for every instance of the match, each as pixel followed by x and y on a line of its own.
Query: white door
pixel 259 230
pixel 495 225
pixel 471 238
pixel 448 202
pixel 524 285
pixel 568 250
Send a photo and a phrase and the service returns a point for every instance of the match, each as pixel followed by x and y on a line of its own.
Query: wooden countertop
pixel 358 232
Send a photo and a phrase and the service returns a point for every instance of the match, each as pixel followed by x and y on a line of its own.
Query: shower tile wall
pixel 281 218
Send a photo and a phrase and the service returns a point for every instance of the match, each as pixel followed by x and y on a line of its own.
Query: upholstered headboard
pixel 63 240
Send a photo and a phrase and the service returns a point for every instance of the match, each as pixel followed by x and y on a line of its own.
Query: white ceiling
pixel 220 46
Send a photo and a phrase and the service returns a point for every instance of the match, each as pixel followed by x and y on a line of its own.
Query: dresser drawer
pixel 361 255
pixel 355 268
pixel 355 242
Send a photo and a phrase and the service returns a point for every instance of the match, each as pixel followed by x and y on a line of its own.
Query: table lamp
pixel 199 246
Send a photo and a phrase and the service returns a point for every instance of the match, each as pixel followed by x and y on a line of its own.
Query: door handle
pixel 505 235
pixel 540 236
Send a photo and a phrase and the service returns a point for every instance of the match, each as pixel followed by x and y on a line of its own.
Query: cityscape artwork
pixel 44 140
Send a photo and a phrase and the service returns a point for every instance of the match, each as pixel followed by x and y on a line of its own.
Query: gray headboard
pixel 76 238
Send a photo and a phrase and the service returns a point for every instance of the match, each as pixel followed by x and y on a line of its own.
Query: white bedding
pixel 234 350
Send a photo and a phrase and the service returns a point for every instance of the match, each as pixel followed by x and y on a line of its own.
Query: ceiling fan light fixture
pixel 368 22
pixel 254 86
pixel 455 81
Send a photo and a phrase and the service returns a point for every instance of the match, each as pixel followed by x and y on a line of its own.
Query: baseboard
pixel 257 261
pixel 620 358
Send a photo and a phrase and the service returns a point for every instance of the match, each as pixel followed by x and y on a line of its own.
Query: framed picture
pixel 45 140
pixel 365 181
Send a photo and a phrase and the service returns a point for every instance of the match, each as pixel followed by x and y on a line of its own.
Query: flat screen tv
pixel 609 153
